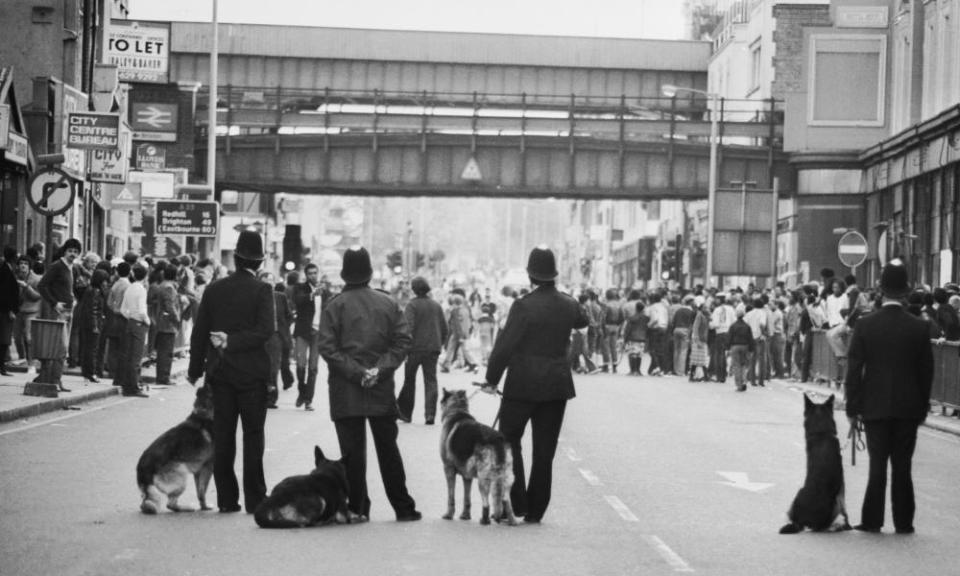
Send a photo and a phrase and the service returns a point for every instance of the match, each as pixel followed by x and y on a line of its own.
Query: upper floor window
pixel 846 80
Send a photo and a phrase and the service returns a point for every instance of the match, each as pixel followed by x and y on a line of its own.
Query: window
pixel 754 66
pixel 847 75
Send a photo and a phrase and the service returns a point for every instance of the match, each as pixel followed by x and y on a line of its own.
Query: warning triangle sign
pixel 471 171
pixel 126 194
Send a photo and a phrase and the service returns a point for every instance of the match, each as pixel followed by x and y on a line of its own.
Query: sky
pixel 661 19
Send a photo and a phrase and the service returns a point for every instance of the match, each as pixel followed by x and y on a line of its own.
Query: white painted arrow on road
pixel 742 481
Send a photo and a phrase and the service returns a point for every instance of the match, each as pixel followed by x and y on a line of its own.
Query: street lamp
pixel 670 91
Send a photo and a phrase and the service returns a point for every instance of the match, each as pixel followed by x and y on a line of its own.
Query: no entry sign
pixel 852 249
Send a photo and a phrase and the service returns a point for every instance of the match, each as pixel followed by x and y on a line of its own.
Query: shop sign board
pixel 69 99
pixel 17 149
pixel 139 50
pixel 110 166
pixel 155 185
pixel 121 196
pixel 189 218
pixel 151 157
pixel 93 131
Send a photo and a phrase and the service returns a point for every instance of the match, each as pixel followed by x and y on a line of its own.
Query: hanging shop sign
pixel 93 131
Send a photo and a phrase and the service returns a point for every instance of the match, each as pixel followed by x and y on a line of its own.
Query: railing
pixel 257 110
pixel 825 368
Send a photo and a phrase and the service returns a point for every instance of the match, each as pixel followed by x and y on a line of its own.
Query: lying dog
pixel 474 450
pixel 820 502
pixel 185 449
pixel 319 497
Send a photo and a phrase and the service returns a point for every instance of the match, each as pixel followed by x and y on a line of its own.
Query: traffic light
pixel 645 258
pixel 668 261
pixel 292 248
pixel 421 260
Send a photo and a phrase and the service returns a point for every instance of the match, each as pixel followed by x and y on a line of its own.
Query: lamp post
pixel 670 91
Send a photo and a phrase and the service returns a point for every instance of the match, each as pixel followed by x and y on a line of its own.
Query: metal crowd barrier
pixel 946 369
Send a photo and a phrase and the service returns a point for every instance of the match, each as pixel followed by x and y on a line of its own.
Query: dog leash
pixel 855 439
pixel 481 386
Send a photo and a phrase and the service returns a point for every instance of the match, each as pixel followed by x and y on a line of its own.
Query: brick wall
pixel 788 38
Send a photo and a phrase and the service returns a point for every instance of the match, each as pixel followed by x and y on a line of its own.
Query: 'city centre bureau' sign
pixel 93 131
pixel 187 218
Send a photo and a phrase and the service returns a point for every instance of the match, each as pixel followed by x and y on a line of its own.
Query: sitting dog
pixel 474 450
pixel 185 449
pixel 819 503
pixel 319 497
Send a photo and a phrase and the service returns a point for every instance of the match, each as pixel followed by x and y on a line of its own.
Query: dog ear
pixel 807 403
pixel 318 456
pixel 446 394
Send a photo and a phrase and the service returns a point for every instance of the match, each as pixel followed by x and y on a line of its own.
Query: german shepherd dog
pixel 474 450
pixel 185 449
pixel 820 502
pixel 319 497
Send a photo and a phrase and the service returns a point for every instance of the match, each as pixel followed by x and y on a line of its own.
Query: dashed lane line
pixel 672 558
pixel 572 455
pixel 590 477
pixel 621 508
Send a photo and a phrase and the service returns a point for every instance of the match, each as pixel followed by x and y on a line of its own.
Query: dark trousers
pixel 89 350
pixel 164 342
pixel 248 402
pixel 101 359
pixel 352 435
pixel 6 336
pixel 415 360
pixel 656 338
pixel 719 357
pixel 806 357
pixel 286 349
pixel 893 441
pixel 135 341
pixel 546 418
pixel 115 357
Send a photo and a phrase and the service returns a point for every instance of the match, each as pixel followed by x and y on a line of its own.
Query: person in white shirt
pixel 756 318
pixel 657 334
pixel 133 308
pixel 721 320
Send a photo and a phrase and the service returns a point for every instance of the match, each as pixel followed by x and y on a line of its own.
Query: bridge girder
pixel 410 165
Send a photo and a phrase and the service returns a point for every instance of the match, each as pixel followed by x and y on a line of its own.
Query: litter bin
pixel 49 345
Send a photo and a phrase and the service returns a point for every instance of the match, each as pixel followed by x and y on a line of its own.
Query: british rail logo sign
pixel 139 50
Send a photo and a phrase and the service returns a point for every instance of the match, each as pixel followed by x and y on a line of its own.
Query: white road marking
pixel 621 508
pixel 127 554
pixel 61 418
pixel 590 477
pixel 742 481
pixel 572 455
pixel 672 558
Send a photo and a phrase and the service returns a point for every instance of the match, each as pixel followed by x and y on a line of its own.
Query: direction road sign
pixel 51 192
pixel 187 218
pixel 852 249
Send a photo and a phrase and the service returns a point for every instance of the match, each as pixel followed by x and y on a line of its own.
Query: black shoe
pixel 95 380
pixel 4 372
pixel 411 516
pixel 63 388
pixel 905 530
pixel 135 394
pixel 403 418
pixel 272 406
pixel 299 402
pixel 288 386
pixel 429 422
pixel 868 529
pixel 308 407
pixel 230 509
pixel 531 519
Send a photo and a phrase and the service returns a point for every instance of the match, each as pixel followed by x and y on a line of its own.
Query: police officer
pixel 889 377
pixel 539 382
pixel 364 339
pixel 235 320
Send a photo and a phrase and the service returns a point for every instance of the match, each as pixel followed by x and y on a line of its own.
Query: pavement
pixel 14 405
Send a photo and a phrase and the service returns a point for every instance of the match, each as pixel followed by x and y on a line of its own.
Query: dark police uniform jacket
pixel 241 306
pixel 362 328
pixel 889 366
pixel 532 347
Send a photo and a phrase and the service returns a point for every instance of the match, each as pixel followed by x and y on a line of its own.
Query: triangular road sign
pixel 126 194
pixel 471 171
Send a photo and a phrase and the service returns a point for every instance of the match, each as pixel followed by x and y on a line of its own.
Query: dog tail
pixel 267 515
